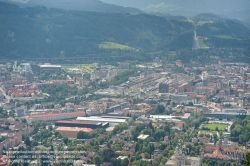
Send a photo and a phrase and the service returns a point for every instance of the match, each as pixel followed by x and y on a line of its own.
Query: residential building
pixel 179 158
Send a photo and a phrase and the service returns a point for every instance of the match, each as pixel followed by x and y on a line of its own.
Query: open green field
pixel 112 45
pixel 212 126
pixel 225 36
pixel 89 68
pixel 199 23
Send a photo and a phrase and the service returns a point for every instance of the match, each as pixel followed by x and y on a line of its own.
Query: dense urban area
pixel 124 83
pixel 123 113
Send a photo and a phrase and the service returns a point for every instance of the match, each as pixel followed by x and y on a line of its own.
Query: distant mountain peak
pixel 239 9
pixel 85 5
pixel 20 1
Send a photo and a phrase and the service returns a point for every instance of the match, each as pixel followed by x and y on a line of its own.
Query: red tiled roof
pixel 45 115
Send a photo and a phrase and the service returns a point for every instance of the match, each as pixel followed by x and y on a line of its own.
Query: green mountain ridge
pixel 41 32
pixel 209 16
pixel 233 28
pixel 233 9
pixel 84 5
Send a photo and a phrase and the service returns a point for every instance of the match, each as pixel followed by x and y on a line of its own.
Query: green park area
pixel 213 126
pixel 89 68
pixel 224 36
pixel 112 45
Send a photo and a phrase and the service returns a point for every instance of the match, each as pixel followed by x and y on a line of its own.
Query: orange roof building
pixel 54 116
pixel 71 132
pixel 219 153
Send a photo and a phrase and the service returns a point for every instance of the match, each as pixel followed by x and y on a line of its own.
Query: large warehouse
pixel 111 121
pixel 226 115
pixel 49 67
pixel 92 125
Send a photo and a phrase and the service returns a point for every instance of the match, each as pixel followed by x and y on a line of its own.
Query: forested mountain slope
pixel 233 9
pixel 42 32
pixel 86 5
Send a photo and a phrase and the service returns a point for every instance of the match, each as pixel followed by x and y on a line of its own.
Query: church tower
pixel 180 155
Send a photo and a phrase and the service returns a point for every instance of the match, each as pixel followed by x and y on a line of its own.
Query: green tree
pixel 159 109
pixel 50 128
pixel 124 162
pixel 108 145
pixel 242 138
pixel 216 128
pixel 7 123
pixel 247 160
pixel 204 164
pixel 97 159
pixel 58 135
pixel 107 155
pixel 34 143
pixel 160 133
pixel 27 141
pixel 24 120
pixel 66 140
pixel 83 135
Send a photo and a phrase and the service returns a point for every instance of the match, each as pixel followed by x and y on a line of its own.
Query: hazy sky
pixel 224 4
pixel 239 9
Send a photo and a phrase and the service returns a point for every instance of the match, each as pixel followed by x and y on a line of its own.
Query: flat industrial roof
pixel 115 117
pixel 50 66
pixel 162 117
pixel 142 136
pixel 227 113
pixel 77 122
pixel 99 119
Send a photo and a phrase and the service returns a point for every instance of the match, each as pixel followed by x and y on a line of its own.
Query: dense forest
pixel 240 130
pixel 47 32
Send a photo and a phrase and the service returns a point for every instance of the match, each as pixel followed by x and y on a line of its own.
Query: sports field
pixel 212 126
